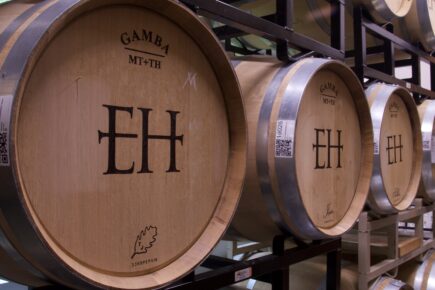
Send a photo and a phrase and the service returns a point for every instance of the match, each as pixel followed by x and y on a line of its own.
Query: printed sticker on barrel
pixel 376 134
pixel 5 115
pixel 432 152
pixel 427 141
pixel 284 138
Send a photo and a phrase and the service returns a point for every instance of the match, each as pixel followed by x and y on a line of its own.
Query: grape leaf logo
pixel 145 240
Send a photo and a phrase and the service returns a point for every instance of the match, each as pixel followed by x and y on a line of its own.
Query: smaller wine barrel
pixel 388 283
pixel 420 275
pixel 427 119
pixel 419 24
pixel 310 149
pixel 397 148
pixel 386 10
pixel 117 118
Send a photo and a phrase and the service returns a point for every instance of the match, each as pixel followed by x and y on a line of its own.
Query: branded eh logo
pixel 394 149
pixel 320 146
pixel 112 134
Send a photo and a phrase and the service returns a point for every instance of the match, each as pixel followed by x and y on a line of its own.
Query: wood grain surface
pixel 129 140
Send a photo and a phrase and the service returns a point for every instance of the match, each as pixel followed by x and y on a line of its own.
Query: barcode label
pixel 5 113
pixel 427 141
pixel 284 138
pixel 432 152
pixel 376 133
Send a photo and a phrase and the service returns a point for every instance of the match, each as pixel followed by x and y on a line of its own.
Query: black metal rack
pixel 278 28
pixel 385 71
pixel 273 269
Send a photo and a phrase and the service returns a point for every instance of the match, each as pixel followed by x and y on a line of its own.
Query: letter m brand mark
pixel 112 135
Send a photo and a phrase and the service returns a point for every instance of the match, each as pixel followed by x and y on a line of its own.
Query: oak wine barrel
pixel 397 148
pixel 420 275
pixel 427 118
pixel 309 149
pixel 419 24
pixel 386 10
pixel 122 152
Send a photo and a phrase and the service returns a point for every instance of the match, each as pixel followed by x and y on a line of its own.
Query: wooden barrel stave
pixel 389 106
pixel 21 61
pixel 273 191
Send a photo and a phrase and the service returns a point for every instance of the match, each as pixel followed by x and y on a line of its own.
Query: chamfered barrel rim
pixel 20 222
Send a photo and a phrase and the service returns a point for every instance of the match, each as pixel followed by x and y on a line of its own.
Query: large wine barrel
pixel 427 119
pixel 419 24
pixel 309 149
pixel 122 142
pixel 312 18
pixel 398 148
pixel 420 275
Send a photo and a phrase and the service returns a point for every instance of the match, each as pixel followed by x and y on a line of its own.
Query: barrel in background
pixel 312 18
pixel 397 148
pixel 427 117
pixel 125 136
pixel 309 150
pixel 419 274
pixel 419 24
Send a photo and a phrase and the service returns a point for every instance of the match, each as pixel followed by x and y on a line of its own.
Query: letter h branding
pixel 318 146
pixel 395 146
pixel 146 137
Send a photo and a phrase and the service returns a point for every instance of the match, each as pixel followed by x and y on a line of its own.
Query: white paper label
pixel 376 134
pixel 243 274
pixel 284 138
pixel 5 114
pixel 427 141
pixel 432 151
